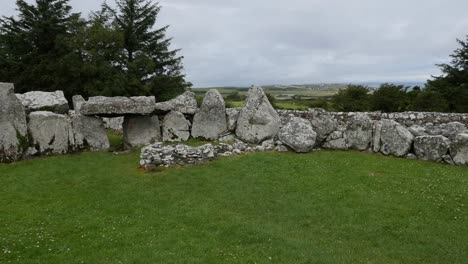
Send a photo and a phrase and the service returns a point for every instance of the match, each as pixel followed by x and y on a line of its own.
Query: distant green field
pixel 279 92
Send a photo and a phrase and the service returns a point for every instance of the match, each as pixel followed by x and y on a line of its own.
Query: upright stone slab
pixel 44 101
pixel 141 130
pixel 13 127
pixel 78 101
pixel 175 127
pixel 359 131
pixel 432 148
pixel 210 121
pixel 185 103
pixel 51 133
pixel 232 115
pixel 258 120
pixel 298 135
pixel 459 149
pixel 89 133
pixel 118 106
pixel 395 139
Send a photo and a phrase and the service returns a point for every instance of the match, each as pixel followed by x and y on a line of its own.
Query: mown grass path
pixel 323 207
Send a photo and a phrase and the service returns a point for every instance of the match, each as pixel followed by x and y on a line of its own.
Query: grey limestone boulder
pixel 175 127
pixel 232 114
pixel 298 135
pixel 78 101
pixel 210 121
pixel 324 125
pixel 89 133
pixel 51 133
pixel 359 131
pixel 141 130
pixel 13 126
pixel 449 130
pixel 258 120
pixel 459 149
pixel 185 103
pixel 393 138
pixel 44 101
pixel 417 131
pixel 432 148
pixel 336 140
pixel 118 106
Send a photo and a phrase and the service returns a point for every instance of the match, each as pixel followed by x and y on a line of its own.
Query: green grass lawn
pixel 323 207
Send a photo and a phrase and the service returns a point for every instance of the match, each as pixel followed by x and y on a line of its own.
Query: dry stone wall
pixel 35 124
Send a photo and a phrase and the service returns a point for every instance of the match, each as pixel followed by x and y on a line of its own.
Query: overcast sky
pixel 244 42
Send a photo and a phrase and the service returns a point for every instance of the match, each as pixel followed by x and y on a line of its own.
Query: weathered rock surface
pixel 417 131
pixel 141 130
pixel 432 148
pixel 44 101
pixel 89 133
pixel 232 115
pixel 13 127
pixel 448 130
pixel 114 123
pixel 185 103
pixel 210 121
pixel 78 101
pixel 298 134
pixel 359 132
pixel 51 133
pixel 175 127
pixel 257 120
pixel 323 125
pixel 395 139
pixel 459 149
pixel 118 106
pixel 336 140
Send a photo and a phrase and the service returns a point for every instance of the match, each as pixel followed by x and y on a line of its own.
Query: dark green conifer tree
pixel 32 49
pixel 151 66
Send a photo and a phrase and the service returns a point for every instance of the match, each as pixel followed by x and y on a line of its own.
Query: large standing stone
pixel 185 103
pixel 298 135
pixel 141 130
pixel 432 148
pixel 257 120
pixel 395 139
pixel 118 106
pixel 13 127
pixel 89 133
pixel 51 133
pixel 232 114
pixel 359 131
pixel 210 121
pixel 175 127
pixel 44 101
pixel 459 149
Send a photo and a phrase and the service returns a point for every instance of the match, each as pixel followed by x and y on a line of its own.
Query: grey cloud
pixel 302 41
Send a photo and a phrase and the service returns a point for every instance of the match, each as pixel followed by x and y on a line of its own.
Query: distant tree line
pixel 445 93
pixel 113 52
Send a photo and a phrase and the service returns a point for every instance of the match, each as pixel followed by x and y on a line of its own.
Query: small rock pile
pixel 161 155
